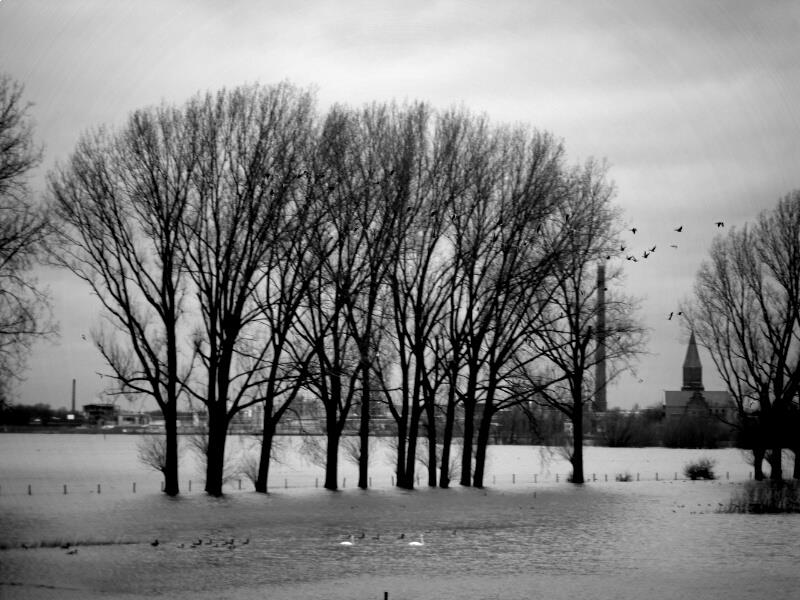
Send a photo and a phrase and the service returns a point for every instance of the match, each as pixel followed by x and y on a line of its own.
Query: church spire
pixel 692 369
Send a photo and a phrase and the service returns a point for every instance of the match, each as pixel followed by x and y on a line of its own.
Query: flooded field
pixel 516 539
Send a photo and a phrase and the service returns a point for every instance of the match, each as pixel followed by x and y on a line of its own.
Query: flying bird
pixel 653 249
pixel 633 229
pixel 673 245
pixel 645 254
pixel 679 229
pixel 669 318
pixel 720 224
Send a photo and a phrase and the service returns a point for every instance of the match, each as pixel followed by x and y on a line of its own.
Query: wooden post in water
pixel 285 483
pixel 65 489
pixel 29 490
pixel 134 487
pixel 98 488
pixel 190 485
pixel 513 478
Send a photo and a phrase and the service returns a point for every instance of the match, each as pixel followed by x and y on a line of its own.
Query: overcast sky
pixel 695 105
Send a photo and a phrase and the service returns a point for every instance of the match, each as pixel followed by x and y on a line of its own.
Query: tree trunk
pixel 449 421
pixel 411 450
pixel 171 486
pixel 484 430
pixel 332 459
pixel 266 453
pixel 577 441
pixel 363 433
pixel 758 461
pixel 431 431
pixel 776 463
pixel 466 454
pixel 400 462
pixel 215 454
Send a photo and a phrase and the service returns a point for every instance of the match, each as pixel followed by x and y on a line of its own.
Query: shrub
pixel 701 469
pixel 766 497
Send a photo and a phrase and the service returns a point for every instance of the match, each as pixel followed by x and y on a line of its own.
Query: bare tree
pixel 557 362
pixel 120 204
pixel 252 144
pixel 746 312
pixel 24 306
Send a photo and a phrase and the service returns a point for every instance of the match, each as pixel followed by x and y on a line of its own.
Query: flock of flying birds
pixel 647 252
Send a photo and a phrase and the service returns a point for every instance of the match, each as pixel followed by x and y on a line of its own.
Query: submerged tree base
pixel 766 497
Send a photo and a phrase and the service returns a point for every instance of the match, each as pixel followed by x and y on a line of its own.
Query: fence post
pixel 370 481
pixel 513 478
pixel 344 482
pixel 285 483
pixel 29 490
pixel 65 489
pixel 534 478
pixel 162 486
pixel 190 485
pixel 606 476
pixel 593 477
pixel 316 482
pixel 556 477
pixel 98 488
pixel 656 475
pixel 134 487
pixel 240 484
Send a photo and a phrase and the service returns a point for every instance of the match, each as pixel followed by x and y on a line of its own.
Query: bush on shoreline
pixel 700 469
pixel 766 497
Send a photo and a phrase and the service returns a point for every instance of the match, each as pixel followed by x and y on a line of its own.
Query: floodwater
pixel 517 539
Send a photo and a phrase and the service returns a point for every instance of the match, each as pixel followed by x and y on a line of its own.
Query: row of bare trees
pixel 247 249
pixel 746 311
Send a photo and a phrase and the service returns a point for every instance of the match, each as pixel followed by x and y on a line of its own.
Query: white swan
pixel 421 541
pixel 347 542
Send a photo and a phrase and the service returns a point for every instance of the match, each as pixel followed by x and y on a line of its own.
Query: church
pixel 693 400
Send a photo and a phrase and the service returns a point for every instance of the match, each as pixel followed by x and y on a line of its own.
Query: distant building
pixel 693 400
pixel 100 414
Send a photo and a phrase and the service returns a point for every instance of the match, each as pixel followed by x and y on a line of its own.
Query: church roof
pixel 692 359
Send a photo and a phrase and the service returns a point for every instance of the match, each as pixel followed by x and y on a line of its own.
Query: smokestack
pixel 600 404
pixel 73 396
